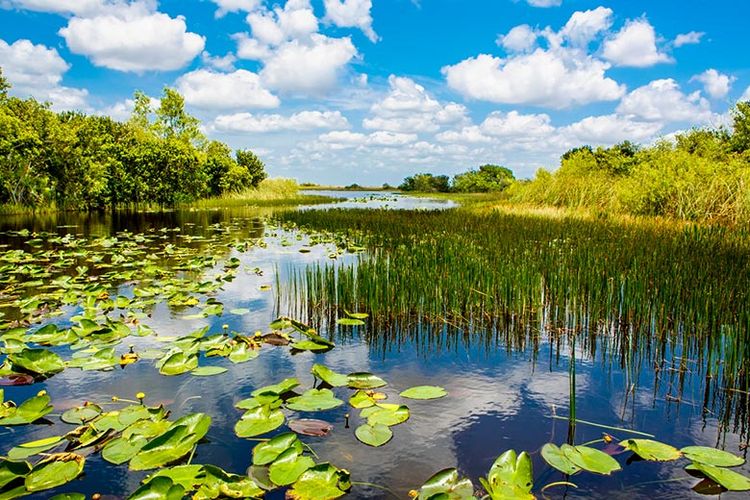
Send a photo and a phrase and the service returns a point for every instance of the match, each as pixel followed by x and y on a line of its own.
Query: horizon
pixel 338 93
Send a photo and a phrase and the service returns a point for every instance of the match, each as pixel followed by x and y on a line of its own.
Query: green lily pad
pixel 727 478
pixel 241 353
pixel 69 496
pixel 10 471
pixel 649 449
pixel 218 483
pixel 555 457
pixel 447 485
pixel 81 414
pixel 28 412
pixel 26 450
pixel 54 471
pixel 510 476
pixel 364 380
pixel 121 450
pixel 361 399
pixel 349 322
pixel 386 414
pixel 314 400
pixel 310 345
pixel 712 456
pixel 288 467
pixel 374 435
pixel 39 361
pixel 424 392
pixel 159 488
pixel 282 387
pixel 175 443
pixel 268 451
pixel 259 420
pixel 329 376
pixel 208 371
pixel 356 315
pixel 590 459
pixel 187 476
pixel 322 482
pixel 178 363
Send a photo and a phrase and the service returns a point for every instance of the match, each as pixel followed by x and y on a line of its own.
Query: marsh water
pixel 502 394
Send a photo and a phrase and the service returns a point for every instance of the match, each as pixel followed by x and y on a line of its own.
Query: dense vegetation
pixel 488 178
pixel 703 175
pixel 74 160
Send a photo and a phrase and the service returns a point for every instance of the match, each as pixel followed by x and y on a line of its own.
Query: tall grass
pixel 270 192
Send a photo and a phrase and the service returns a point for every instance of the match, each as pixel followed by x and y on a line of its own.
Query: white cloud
pixel 691 38
pixel 544 3
pixel 36 70
pixel 302 121
pixel 227 6
pixel 584 26
pixel 556 78
pixel 133 37
pixel 295 21
pixel 223 63
pixel 77 7
pixel 521 38
pixel 351 14
pixel 634 45
pixel 611 129
pixel 515 124
pixel 466 135
pixel 313 67
pixel 250 48
pixel 717 85
pixel 746 95
pixel 662 100
pixel 341 139
pixel 211 90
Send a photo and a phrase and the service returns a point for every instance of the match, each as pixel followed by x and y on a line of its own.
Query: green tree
pixel 4 85
pixel 741 127
pixel 173 122
pixel 255 168
pixel 489 178
pixel 426 183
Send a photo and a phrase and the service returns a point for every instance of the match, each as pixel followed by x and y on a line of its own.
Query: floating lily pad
pixel 289 466
pixel 81 414
pixel 159 488
pixel 54 471
pixel 218 483
pixel 374 435
pixel 364 380
pixel 729 479
pixel 178 363
pixel 361 399
pixel 17 379
pixel 386 414
pixel 649 449
pixel 322 482
pixel 121 450
pixel 310 427
pixel 555 457
pixel 329 376
pixel 266 452
pixel 314 400
pixel 40 361
pixel 208 371
pixel 10 471
pixel 510 476
pixel 349 322
pixel 259 420
pixel 712 456
pixel 175 443
pixel 424 392
pixel 447 485
pixel 28 412
pixel 281 388
pixel 26 450
pixel 187 476
pixel 590 459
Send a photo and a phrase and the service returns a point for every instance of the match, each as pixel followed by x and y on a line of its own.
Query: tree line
pixel 487 178
pixel 81 161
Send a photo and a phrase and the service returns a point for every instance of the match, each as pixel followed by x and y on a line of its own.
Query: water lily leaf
pixel 447 485
pixel 40 361
pixel 349 322
pixel 175 443
pixel 208 371
pixel 712 456
pixel 322 482
pixel 356 315
pixel 187 476
pixel 259 474
pixel 329 376
pixel 727 478
pixel 386 414
pixel 288 467
pixel 240 311
pixel 26 450
pixel 649 449
pixel 159 488
pixel 178 363
pixel 310 427
pixel 81 414
pixel 10 471
pixel 217 483
pixel 310 345
pixel 424 392
pixel 590 459
pixel 361 399
pixel 510 476
pixel 151 354
pixel 281 388
pixel 314 400
pixel 28 412
pixel 555 457
pixel 69 496
pixel 16 379
pixel 364 380
pixel 54 471
pixel 242 353
pixel 374 435
pixel 121 450
pixel 259 420
pixel 266 452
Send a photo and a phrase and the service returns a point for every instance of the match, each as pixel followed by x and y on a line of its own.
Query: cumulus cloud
pixel 212 90
pixel 133 37
pixel 223 63
pixel 717 85
pixel 512 125
pixel 555 78
pixel 662 100
pixel 584 26
pixel 351 14
pixel 76 7
pixel 520 38
pixel 746 95
pixel 341 139
pixel 611 129
pixel 544 3
pixel 691 38
pixel 635 46
pixel 227 6
pixel 37 71
pixel 302 121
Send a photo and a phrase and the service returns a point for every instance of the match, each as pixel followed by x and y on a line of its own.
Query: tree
pixel 489 178
pixel 253 165
pixel 173 122
pixel 4 86
pixel 426 183
pixel 140 117
pixel 741 127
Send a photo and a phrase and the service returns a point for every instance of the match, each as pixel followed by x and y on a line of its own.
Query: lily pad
pixel 121 450
pixel 54 471
pixel 374 435
pixel 555 457
pixel 26 450
pixel 218 483
pixel 329 376
pixel 712 456
pixel 259 420
pixel 81 414
pixel 40 361
pixel 177 442
pixel 159 488
pixel 361 399
pixel 178 363
pixel 649 449
pixel 364 380
pixel 281 388
pixel 288 467
pixel 28 412
pixel 187 476
pixel 510 476
pixel 424 392
pixel 349 322
pixel 266 452
pixel 386 414
pixel 447 485
pixel 208 371
pixel 590 459
pixel 322 482
pixel 310 427
pixel 727 478
pixel 10 471
pixel 314 400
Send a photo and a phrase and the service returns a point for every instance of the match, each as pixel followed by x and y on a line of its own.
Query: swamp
pixel 383 346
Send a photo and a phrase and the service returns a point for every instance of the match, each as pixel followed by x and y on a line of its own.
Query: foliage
pixel 79 161
pixel 426 183
pixel 489 178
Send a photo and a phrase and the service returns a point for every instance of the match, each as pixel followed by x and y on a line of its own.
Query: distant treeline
pixel 74 160
pixel 488 178
pixel 702 175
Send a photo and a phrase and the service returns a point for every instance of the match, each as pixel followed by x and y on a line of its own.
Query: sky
pixel 370 91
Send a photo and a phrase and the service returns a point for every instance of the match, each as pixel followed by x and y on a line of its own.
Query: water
pixel 499 397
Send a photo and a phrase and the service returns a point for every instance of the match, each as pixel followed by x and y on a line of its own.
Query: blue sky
pixel 369 91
